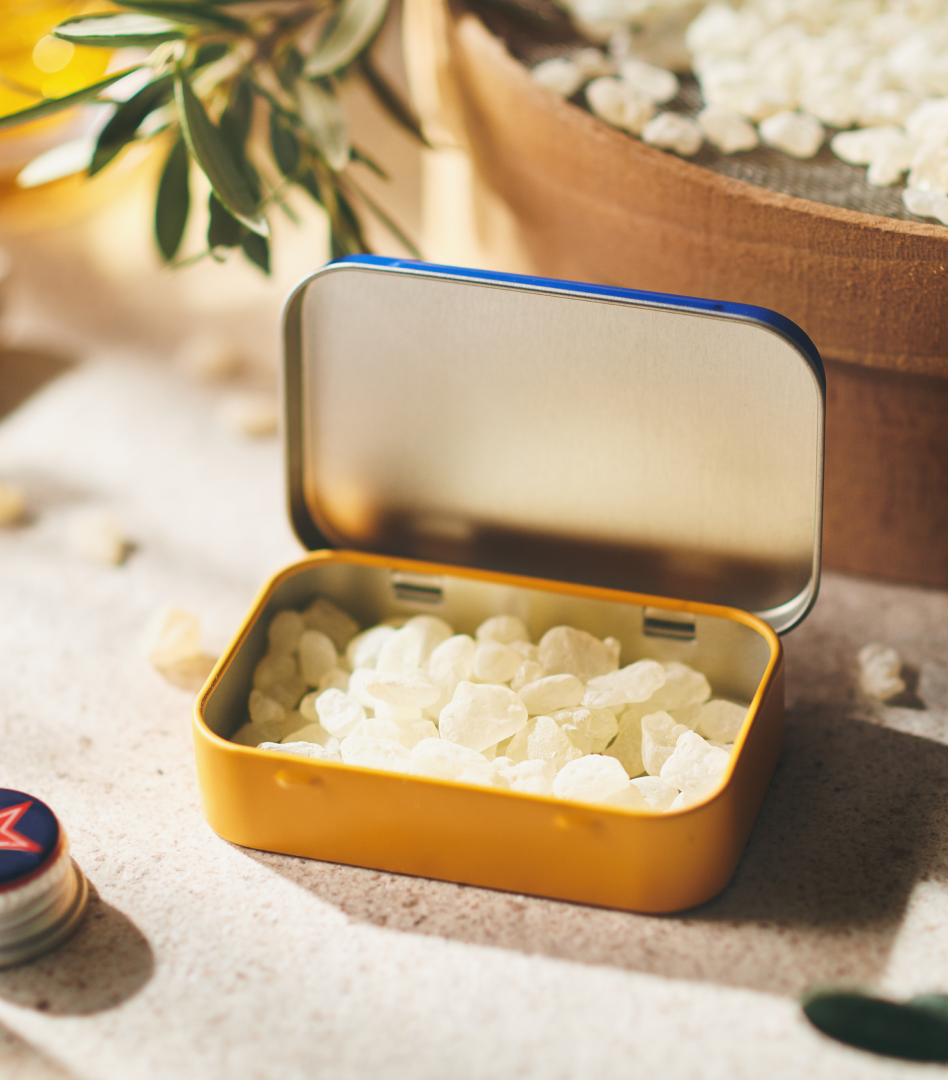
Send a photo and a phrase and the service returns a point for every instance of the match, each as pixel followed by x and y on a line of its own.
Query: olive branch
pixel 253 102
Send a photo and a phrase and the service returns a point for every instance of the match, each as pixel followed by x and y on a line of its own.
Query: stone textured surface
pixel 200 959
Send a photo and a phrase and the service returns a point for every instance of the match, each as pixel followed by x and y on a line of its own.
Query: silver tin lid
pixel 656 444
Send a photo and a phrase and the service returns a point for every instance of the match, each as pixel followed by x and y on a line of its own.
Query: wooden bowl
pixel 590 203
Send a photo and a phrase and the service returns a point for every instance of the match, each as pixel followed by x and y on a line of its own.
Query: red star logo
pixel 10 839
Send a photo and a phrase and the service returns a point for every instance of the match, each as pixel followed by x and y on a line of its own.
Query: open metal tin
pixel 468 444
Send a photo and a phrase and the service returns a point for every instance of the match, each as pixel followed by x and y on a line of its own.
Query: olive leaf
pixel 223 230
pixel 912 1031
pixel 284 146
pixel 174 201
pixel 207 144
pixel 67 159
pixel 936 1004
pixel 49 106
pixel 349 30
pixel 324 119
pixel 119 30
pixel 121 128
pixel 370 163
pixel 208 54
pixel 257 250
pixel 197 13
pixel 387 97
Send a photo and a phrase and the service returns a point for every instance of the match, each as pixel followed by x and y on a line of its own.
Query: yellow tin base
pixel 630 859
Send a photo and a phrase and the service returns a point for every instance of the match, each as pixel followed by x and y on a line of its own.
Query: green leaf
pixel 386 96
pixel 350 29
pixel 882 1027
pixel 936 1004
pixel 174 201
pixel 223 230
pixel 196 13
pixel 49 106
pixel 67 159
pixel 120 30
pixel 207 144
pixel 289 69
pixel 257 250
pixel 324 119
pixel 237 117
pixel 370 163
pixel 209 54
pixel 347 237
pixel 286 150
pixel 121 128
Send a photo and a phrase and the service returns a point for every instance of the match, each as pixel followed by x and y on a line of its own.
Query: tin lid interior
pixel 654 444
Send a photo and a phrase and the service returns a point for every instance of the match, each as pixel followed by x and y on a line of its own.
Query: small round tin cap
pixel 43 893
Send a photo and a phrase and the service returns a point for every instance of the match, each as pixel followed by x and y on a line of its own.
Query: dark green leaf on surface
pixel 257 250
pixel 284 145
pixel 936 1004
pixel 882 1027
pixel 196 14
pixel 121 128
pixel 209 54
pixel 350 29
pixel 174 201
pixel 223 230
pixel 49 106
pixel 123 29
pixel 209 148
pixel 325 121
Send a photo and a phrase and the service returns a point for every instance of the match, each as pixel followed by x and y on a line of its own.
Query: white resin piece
pixel 590 779
pixel 480 715
pixel 252 734
pixel 593 63
pixel 98 536
pixel 657 84
pixel 314 733
pixel 657 793
pixel 929 121
pixel 727 130
pixel 411 645
pixel 559 74
pixel 879 669
pixel 334 678
pixel 445 760
pixel 529 671
pixel 660 734
pixel 720 720
pixel 369 753
pixel 543 740
pixel 450 663
pixel 831 98
pixel 861 146
pixel 250 413
pixel 628 798
pixel 627 745
pixel 598 726
pixel 338 712
pixel 694 766
pixel 531 777
pixel 317 656
pixel 277 675
pixel 285 631
pixel 565 650
pixel 633 683
pixel 303 749
pixel 363 650
pixel 506 629
pixel 551 693
pixel 797 134
pixel 886 107
pixel 683 686
pixel 409 689
pixel 263 709
pixel 926 204
pixel 929 170
pixel 495 662
pixel 672 131
pixel 173 635
pixel 619 104
pixel 336 624
pixel 12 504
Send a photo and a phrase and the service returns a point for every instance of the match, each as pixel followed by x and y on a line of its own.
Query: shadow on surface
pixel 852 820
pixel 24 371
pixel 104 963
pixel 20 1059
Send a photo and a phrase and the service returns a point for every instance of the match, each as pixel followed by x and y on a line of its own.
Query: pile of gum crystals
pixel 875 71
pixel 559 717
